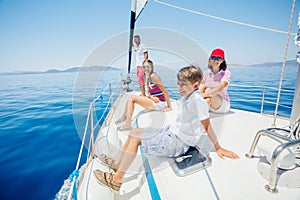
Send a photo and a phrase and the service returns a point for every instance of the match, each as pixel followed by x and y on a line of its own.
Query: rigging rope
pixel 81 148
pixel 284 62
pixel 222 19
pixel 73 177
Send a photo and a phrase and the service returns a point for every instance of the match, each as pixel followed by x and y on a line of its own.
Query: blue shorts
pixel 162 142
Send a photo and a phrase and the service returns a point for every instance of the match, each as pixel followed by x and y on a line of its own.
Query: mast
pixel 137 7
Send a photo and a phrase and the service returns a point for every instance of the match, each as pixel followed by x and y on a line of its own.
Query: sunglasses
pixel 146 66
pixel 216 58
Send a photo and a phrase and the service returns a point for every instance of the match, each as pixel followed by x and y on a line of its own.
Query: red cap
pixel 217 53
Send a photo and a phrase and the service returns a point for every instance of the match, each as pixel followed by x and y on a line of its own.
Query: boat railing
pixel 287 143
pixel 113 91
pixel 269 133
pixel 262 99
pixel 91 125
pixel 271 187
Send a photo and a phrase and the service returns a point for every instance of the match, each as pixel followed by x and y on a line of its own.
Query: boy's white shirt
pixel 191 111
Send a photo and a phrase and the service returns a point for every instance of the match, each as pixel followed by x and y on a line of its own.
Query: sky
pixel 37 35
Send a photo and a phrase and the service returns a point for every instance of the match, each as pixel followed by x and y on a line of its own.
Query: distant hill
pixel 52 71
pixel 233 65
pixel 84 69
pixel 289 63
pixel 70 70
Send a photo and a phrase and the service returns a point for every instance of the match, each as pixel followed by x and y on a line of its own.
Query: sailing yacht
pixel 268 168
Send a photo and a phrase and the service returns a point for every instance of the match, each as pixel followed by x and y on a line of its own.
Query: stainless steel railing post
pixel 271 187
pixel 262 101
pixel 264 132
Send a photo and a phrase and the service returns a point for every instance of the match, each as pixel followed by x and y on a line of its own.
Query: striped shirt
pixel 156 91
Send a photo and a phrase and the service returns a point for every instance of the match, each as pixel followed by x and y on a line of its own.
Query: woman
pixel 215 83
pixel 157 100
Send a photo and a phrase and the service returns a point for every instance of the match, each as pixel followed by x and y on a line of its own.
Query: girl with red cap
pixel 215 83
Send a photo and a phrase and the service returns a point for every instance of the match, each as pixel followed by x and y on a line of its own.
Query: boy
pixel 171 141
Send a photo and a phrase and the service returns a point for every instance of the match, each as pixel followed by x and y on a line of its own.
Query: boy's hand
pixel 226 153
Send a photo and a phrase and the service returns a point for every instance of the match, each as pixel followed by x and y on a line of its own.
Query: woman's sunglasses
pixel 216 58
pixel 146 66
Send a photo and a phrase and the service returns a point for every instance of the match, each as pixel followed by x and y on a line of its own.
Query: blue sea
pixel 40 142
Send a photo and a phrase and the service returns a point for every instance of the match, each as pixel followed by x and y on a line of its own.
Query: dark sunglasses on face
pixel 146 66
pixel 216 58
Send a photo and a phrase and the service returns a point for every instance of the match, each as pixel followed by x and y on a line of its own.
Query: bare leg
pixel 142 86
pixel 142 101
pixel 208 101
pixel 125 111
pixel 132 98
pixel 137 132
pixel 128 154
pixel 215 102
pixel 117 163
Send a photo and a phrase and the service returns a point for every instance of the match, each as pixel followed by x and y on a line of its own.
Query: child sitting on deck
pixel 158 99
pixel 170 141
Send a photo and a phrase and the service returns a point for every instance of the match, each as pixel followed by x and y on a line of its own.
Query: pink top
pixel 212 80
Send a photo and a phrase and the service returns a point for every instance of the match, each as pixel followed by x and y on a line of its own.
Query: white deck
pixel 225 179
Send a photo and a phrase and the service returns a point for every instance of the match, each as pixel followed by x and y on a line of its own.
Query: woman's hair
pixel 190 73
pixel 223 65
pixel 149 61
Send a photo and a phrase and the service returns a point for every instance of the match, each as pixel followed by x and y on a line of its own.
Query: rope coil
pixel 73 175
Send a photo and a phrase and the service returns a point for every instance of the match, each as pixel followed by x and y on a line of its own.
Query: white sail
pixel 137 6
